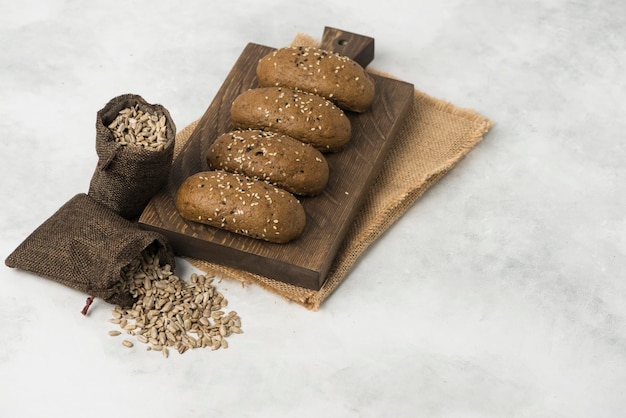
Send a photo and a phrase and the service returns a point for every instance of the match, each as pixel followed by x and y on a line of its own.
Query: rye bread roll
pixel 238 204
pixel 276 158
pixel 333 76
pixel 304 116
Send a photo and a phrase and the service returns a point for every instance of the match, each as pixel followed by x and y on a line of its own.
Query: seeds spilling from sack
pixel 170 313
pixel 136 127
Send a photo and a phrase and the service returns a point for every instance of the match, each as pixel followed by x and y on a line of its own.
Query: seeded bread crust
pixel 279 159
pixel 304 116
pixel 238 204
pixel 333 76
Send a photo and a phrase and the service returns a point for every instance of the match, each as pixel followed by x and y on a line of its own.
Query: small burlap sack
pixel 128 176
pixel 85 245
pixel 434 137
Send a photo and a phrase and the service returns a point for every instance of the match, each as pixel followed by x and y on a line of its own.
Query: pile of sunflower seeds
pixel 170 313
pixel 133 126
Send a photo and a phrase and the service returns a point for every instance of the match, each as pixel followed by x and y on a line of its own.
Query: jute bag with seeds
pixel 87 246
pixel 135 145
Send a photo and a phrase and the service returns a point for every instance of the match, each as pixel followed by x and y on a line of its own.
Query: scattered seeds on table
pixel 171 313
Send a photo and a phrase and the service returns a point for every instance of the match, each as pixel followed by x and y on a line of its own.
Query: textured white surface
pixel 500 293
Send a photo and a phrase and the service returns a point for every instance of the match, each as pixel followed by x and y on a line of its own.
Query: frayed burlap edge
pixel 401 182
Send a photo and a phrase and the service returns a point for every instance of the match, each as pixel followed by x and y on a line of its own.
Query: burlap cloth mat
pixel 434 137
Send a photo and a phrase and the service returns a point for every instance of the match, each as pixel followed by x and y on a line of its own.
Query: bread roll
pixel 241 205
pixel 279 159
pixel 335 77
pixel 304 116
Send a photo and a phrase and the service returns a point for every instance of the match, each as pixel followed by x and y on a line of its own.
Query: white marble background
pixel 501 293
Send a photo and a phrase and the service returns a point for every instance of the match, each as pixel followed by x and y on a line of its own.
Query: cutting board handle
pixel 358 47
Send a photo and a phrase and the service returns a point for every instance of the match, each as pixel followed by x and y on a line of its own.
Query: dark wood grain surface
pixel 304 262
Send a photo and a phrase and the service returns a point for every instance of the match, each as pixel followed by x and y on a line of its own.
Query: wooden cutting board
pixel 304 262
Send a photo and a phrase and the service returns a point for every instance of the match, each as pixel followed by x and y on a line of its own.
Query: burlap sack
pixel 85 245
pixel 434 137
pixel 127 177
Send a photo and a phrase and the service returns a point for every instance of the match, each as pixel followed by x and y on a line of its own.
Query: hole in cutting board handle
pixel 358 47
